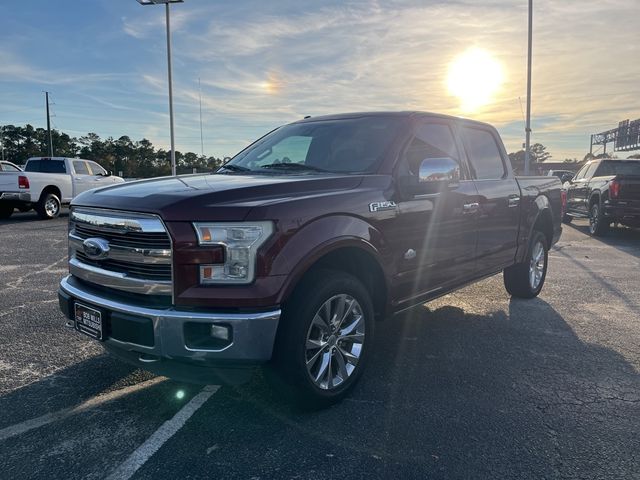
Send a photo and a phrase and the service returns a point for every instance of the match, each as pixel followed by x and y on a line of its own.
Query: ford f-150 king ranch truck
pixel 291 251
pixel 605 191
pixel 47 183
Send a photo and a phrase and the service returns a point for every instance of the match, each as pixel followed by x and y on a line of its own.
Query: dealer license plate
pixel 88 321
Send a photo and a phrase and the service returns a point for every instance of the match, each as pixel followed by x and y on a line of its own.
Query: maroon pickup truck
pixel 290 253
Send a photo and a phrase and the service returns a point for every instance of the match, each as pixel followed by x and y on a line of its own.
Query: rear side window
pixel 80 168
pixel 46 166
pixel 484 154
pixel 431 140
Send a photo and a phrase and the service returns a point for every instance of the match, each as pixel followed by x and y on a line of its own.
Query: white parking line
pixel 38 422
pixel 168 429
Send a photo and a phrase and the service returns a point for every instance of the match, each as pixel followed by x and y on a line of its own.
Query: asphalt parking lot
pixel 473 385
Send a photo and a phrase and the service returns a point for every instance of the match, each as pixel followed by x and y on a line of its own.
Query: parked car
pixel 605 191
pixel 291 251
pixel 48 183
pixel 563 175
pixel 9 167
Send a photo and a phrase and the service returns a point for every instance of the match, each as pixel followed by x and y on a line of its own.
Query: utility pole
pixel 173 142
pixel 2 140
pixel 49 125
pixel 201 137
pixel 527 154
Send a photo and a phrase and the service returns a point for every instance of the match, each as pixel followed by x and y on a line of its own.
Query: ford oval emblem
pixel 96 248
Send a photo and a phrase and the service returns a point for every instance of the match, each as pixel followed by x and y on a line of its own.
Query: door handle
pixel 468 208
pixel 514 201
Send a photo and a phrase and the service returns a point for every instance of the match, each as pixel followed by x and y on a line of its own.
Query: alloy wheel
pixel 536 265
pixel 335 341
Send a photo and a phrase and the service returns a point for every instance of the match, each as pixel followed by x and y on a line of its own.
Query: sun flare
pixel 474 78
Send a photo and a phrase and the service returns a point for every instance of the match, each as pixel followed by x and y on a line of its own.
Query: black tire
pixel 48 207
pixel 598 224
pixel 518 279
pixel 298 330
pixel 567 219
pixel 6 210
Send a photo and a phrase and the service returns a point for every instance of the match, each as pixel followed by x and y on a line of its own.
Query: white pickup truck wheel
pixel 49 206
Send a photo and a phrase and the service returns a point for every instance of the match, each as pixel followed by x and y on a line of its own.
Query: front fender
pixel 320 237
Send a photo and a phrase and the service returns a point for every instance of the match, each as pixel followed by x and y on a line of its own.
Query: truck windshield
pixel 45 166
pixel 355 145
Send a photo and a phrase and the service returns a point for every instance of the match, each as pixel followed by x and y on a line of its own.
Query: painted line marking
pixel 93 402
pixel 167 430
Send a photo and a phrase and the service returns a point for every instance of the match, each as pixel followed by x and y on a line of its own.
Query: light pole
pixel 166 4
pixel 527 143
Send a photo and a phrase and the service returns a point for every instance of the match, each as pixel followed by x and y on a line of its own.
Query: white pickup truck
pixel 47 183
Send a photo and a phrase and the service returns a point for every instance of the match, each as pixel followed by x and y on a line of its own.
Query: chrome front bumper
pixel 252 340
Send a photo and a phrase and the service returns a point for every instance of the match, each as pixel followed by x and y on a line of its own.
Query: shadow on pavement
pixel 448 394
pixel 31 216
pixel 622 238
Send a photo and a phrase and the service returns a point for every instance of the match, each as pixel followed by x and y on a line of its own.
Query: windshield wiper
pixel 235 168
pixel 293 166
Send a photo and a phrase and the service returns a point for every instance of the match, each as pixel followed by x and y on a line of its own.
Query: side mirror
pixel 567 177
pixel 434 175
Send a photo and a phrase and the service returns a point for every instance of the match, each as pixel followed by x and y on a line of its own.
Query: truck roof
pixel 401 114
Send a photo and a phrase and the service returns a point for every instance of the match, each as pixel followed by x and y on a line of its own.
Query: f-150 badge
pixel 381 206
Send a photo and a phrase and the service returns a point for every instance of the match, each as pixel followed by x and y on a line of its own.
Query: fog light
pixel 221 332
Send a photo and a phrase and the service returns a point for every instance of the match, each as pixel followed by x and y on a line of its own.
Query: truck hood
pixel 221 197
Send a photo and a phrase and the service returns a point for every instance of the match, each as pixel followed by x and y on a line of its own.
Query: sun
pixel 474 78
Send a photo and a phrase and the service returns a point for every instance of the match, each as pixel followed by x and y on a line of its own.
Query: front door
pixel 82 177
pixel 434 236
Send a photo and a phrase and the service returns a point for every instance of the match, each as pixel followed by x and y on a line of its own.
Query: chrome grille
pixel 126 239
pixel 133 250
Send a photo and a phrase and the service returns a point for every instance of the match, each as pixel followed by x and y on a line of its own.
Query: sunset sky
pixel 263 64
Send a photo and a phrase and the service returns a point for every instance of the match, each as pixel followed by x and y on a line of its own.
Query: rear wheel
pixel 6 210
pixel 325 337
pixel 48 207
pixel 525 280
pixel 598 225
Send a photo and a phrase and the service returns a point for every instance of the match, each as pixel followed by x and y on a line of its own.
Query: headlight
pixel 241 242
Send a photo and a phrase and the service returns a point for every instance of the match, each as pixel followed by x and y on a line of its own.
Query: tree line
pixel 135 159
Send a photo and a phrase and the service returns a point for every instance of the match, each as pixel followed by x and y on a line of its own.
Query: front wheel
pixel 48 207
pixel 325 337
pixel 525 280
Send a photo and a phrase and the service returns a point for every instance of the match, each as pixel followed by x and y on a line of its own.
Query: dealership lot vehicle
pixel 474 385
pixel 605 191
pixel 48 183
pixel 290 253
pixel 9 167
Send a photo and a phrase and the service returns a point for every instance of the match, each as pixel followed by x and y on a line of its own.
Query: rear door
pixel 499 198
pixel 83 180
pixel 434 236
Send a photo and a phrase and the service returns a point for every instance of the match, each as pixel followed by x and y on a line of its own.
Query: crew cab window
pixel 80 168
pixel 589 172
pixel 96 169
pixel 581 173
pixel 484 154
pixel 46 166
pixel 431 140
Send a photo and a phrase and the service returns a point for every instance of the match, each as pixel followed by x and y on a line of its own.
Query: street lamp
pixel 166 4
